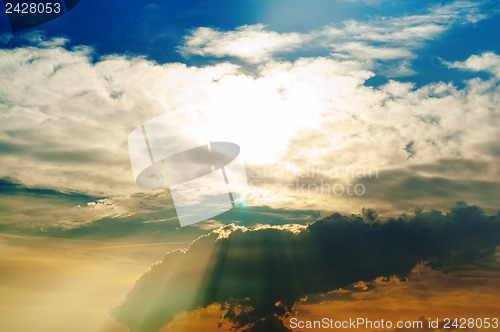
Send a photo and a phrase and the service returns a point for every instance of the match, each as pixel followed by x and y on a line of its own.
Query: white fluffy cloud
pixel 251 43
pixel 386 38
pixel 487 61
pixel 66 119
pixel 66 116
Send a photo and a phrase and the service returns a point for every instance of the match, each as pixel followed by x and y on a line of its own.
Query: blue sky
pixel 156 28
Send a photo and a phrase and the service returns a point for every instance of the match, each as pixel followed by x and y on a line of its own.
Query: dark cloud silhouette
pixel 17 199
pixel 257 275
pixel 404 189
pixel 13 188
pixel 410 148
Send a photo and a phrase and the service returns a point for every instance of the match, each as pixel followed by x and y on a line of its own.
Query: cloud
pixel 424 294
pixel 47 213
pixel 41 211
pixel 385 38
pixel 373 129
pixel 251 43
pixel 66 113
pixel 39 38
pixel 487 61
pixel 361 50
pixel 258 275
pixel 410 149
pixel 69 133
pixel 209 224
pixel 20 204
pixel 423 185
pixel 72 126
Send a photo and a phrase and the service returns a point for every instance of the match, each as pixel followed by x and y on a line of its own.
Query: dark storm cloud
pixel 433 186
pixel 9 148
pixel 258 275
pixel 12 188
pixel 455 167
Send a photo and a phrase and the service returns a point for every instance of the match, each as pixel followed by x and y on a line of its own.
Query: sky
pixel 370 134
